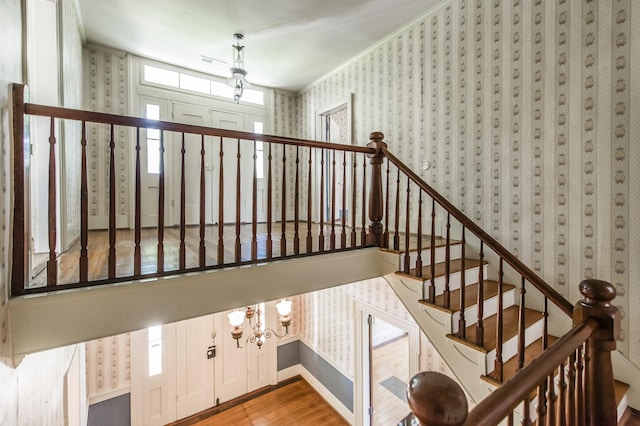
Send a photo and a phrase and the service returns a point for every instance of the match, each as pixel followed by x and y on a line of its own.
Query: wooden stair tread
pixel 456 266
pixel 426 244
pixel 510 328
pixel 510 367
pixel 470 296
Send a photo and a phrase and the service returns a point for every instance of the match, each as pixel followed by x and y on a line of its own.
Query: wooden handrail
pixel 121 120
pixel 230 143
pixel 596 325
pixel 488 240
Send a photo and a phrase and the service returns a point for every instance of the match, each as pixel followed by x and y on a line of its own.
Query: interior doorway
pixel 334 125
pixel 387 358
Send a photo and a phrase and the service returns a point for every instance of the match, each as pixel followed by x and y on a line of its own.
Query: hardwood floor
pixel 98 248
pixel 390 364
pixel 294 404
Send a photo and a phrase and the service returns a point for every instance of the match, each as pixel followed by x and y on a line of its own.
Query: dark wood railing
pixel 571 383
pixel 419 193
pixel 298 172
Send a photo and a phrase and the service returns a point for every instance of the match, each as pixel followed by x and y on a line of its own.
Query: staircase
pixel 466 338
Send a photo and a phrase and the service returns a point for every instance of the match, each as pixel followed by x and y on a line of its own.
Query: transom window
pixel 165 77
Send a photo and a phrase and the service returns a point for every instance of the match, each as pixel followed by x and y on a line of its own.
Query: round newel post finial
pixel 437 400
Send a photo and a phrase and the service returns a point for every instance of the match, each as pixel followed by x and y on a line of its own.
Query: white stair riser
pixel 510 347
pixel 490 308
pixel 471 277
pixel 455 252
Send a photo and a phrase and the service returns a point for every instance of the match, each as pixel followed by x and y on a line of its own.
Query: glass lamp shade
pixel 236 318
pixel 284 307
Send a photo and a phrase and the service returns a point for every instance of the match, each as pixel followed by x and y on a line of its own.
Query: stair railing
pixel 576 374
pixel 300 185
pixel 413 193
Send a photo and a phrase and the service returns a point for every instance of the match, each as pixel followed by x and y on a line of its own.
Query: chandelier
pixel 258 334
pixel 238 79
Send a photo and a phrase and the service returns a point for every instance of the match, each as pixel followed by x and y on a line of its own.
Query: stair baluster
pixel 112 202
pixel 182 255
pixel 551 400
pixel 570 411
pixel 526 413
pixel 296 206
pixel 322 206
pixel 221 203
pixel 407 232
pixel 498 373
pixel 480 323
pixel 309 205
pixel 238 245
pixel 283 206
pixel 419 244
pixel 521 326
pixel 161 189
pixel 447 266
pixel 202 256
pixel 462 323
pixel 432 285
pixel 332 234
pixel 396 237
pixel 580 408
pixel 363 232
pixel 84 209
pixel 270 202
pixel 254 202
pixel 353 203
pixel 562 396
pixel 385 235
pixel 343 216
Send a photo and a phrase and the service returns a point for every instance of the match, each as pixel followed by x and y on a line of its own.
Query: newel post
pixel 376 208
pixel 20 255
pixel 600 400
pixel 436 399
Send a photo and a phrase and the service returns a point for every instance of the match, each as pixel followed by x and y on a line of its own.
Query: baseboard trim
pixel 327 395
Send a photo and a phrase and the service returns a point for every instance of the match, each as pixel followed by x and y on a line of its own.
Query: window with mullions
pixel 165 77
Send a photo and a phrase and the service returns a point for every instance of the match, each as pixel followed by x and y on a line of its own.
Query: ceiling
pixel 288 43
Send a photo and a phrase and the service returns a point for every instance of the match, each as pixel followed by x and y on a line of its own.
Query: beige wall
pixel 33 392
pixel 525 111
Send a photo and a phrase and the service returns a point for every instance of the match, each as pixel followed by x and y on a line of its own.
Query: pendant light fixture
pixel 238 79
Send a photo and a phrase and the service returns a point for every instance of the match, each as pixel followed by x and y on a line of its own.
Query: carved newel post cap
pixel 376 136
pixel 597 292
pixel 436 400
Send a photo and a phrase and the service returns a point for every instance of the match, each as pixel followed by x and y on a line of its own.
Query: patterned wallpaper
pixel 106 90
pixel 108 366
pixel 71 71
pixel 523 109
pixel 326 319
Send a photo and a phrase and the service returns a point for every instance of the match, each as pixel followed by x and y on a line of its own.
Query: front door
pixel 195 379
pixel 194 159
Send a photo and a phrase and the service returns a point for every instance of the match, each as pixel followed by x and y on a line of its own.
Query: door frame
pixel 361 377
pixel 320 114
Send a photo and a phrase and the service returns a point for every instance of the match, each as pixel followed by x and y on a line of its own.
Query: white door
pixel 231 362
pixel 194 368
pixel 228 162
pixel 153 375
pixel 198 116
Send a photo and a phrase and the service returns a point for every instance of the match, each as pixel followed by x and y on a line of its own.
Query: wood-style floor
pixel 98 248
pixel 294 404
pixel 390 360
pixel 299 404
